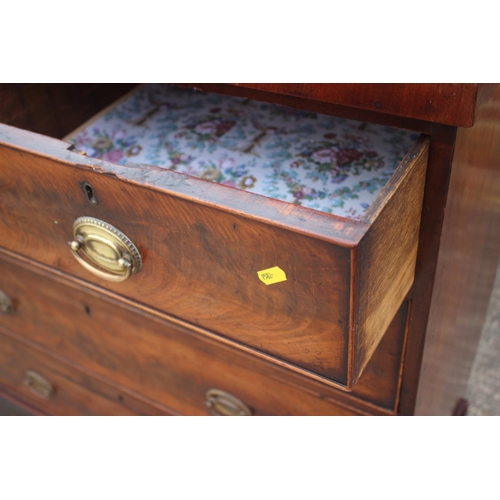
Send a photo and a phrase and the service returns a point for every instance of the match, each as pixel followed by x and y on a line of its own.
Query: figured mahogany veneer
pixel 169 362
pixel 203 244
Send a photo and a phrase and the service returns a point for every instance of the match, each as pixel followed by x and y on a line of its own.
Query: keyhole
pixel 89 193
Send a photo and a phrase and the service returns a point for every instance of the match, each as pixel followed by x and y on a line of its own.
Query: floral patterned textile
pixel 326 163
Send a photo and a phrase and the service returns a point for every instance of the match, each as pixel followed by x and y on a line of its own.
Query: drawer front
pixel 203 246
pixel 55 388
pixel 172 364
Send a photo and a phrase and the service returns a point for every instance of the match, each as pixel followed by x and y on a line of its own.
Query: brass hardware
pixel 105 246
pixel 6 305
pixel 224 404
pixel 38 385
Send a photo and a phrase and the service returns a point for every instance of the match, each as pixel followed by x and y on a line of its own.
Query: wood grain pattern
pixel 468 259
pixel 75 392
pixel 343 232
pixel 172 363
pixel 442 143
pixel 211 254
pixel 470 231
pixel 190 252
pixel 445 103
pixel 387 255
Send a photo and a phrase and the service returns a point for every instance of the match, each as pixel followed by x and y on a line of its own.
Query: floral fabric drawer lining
pixel 325 163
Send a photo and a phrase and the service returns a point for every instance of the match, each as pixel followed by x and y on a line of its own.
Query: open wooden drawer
pixel 208 249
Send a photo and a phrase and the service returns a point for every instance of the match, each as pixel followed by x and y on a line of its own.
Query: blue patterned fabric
pixel 325 163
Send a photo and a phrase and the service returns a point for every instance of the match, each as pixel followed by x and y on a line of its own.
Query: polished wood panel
pixel 440 156
pixel 172 363
pixel 387 256
pixel 212 251
pixel 380 382
pixel 442 143
pixel 446 103
pixel 75 392
pixel 190 250
pixel 468 259
pixel 54 109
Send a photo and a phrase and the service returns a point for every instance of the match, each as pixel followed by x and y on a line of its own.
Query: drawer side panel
pixel 387 257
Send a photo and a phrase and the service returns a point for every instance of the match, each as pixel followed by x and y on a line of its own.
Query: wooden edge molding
pixel 444 103
pixel 320 225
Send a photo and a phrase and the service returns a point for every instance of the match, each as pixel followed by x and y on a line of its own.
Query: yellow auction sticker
pixel 272 275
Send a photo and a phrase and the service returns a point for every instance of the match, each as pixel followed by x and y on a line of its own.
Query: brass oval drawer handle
pixel 106 247
pixel 222 403
pixel 38 384
pixel 6 304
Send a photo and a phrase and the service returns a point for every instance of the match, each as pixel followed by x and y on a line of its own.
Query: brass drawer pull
pixel 106 247
pixel 6 305
pixel 224 404
pixel 38 384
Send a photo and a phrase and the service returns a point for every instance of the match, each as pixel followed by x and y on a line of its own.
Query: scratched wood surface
pixel 211 251
pixel 172 363
pixel 200 263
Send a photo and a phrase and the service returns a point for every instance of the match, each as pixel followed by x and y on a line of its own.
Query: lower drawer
pixel 175 365
pixel 55 388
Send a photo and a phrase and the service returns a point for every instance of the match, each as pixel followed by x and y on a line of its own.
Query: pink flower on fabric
pixel 348 155
pixel 206 128
pixel 113 155
pixel 326 155
pixel 227 163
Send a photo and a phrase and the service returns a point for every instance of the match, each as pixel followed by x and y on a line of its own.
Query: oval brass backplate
pixel 113 253
pixel 222 403
pixel 38 384
pixel 6 305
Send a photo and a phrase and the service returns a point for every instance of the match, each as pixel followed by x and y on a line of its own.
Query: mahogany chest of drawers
pixel 159 304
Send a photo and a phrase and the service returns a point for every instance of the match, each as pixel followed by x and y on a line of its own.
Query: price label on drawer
pixel 272 275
